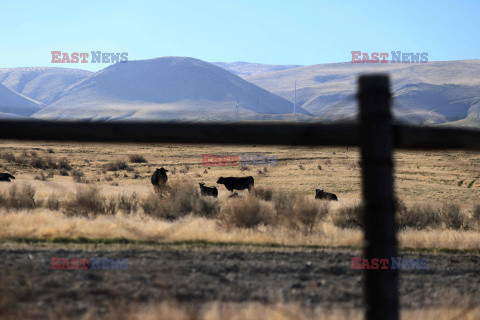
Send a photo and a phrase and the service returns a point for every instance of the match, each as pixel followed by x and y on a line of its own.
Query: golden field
pixel 425 177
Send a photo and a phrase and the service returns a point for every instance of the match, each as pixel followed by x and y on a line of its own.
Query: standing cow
pixel 320 194
pixel 237 183
pixel 159 179
pixel 6 177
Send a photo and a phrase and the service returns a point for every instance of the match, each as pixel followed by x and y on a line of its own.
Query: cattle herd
pixel 159 180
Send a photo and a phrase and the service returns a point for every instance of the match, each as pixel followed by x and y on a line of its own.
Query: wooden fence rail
pixel 375 134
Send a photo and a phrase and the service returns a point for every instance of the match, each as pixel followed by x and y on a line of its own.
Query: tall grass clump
pixel 19 198
pixel 137 158
pixel 117 165
pixel 177 200
pixel 263 193
pixel 350 217
pixel 88 202
pixel 128 203
pixel 308 213
pixel 246 212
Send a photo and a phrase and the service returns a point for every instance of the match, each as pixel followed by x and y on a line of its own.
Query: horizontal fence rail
pixel 264 133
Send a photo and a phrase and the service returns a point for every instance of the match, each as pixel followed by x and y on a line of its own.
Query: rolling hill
pixel 13 104
pixel 168 88
pixel 248 69
pixel 433 92
pixel 44 85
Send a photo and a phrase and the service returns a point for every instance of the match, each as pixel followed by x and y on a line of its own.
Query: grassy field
pixel 422 179
pixel 82 200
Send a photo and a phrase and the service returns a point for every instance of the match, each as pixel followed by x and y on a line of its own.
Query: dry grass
pixel 283 311
pixel 137 158
pixel 247 213
pixel 419 176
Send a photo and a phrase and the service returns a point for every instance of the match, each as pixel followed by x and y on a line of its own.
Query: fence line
pixel 293 134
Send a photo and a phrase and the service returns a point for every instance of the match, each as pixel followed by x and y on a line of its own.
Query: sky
pixel 272 32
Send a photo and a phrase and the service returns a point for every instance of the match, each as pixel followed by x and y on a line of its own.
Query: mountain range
pixel 179 88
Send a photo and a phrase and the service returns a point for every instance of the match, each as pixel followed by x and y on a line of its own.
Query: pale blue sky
pixel 275 32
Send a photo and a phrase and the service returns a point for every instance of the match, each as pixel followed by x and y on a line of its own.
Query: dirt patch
pixel 199 275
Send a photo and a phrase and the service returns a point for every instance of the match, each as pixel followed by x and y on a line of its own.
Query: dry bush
pixel 8 156
pixel 263 193
pixel 137 158
pixel 476 214
pixel 78 176
pixel 417 217
pixel 246 212
pixel 351 217
pixel 87 201
pixel 453 218
pixel 117 165
pixel 128 204
pixel 177 200
pixel 207 207
pixel 307 213
pixel 53 203
pixel 64 164
pixel 284 203
pixel 22 198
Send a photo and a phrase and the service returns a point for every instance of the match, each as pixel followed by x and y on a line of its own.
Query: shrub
pixel 19 198
pixel 78 176
pixel 177 200
pixel 308 213
pixel 86 202
pixel 476 213
pixel 284 206
pixel 207 207
pixel 137 158
pixel 53 203
pixel 117 165
pixel 8 156
pixel 128 204
pixel 246 213
pixel 263 193
pixel 349 217
pixel 64 164
pixel 452 217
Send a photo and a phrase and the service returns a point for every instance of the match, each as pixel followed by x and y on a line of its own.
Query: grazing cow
pixel 159 179
pixel 320 194
pixel 208 191
pixel 6 177
pixel 237 183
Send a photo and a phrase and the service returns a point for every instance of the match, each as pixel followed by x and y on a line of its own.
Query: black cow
pixel 320 194
pixel 159 179
pixel 208 191
pixel 237 183
pixel 6 177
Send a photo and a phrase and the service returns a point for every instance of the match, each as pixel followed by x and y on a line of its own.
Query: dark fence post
pixel 376 140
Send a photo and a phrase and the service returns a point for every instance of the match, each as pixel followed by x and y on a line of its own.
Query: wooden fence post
pixel 376 142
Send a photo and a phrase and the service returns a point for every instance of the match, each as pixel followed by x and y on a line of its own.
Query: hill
pixel 433 92
pixel 174 88
pixel 13 104
pixel 247 68
pixel 41 84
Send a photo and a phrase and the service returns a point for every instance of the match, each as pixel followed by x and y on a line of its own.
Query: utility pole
pixel 295 99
